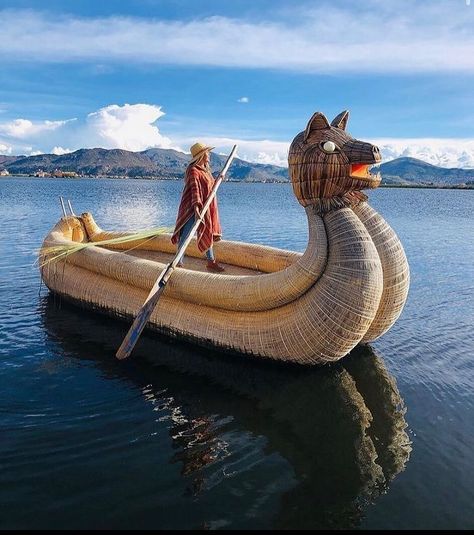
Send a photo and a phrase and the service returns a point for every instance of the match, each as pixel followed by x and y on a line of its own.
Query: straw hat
pixel 198 149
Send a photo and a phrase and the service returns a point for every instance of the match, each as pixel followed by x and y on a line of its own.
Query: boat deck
pixel 191 263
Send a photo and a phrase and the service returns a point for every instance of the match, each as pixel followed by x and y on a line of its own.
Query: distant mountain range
pixel 171 164
pixel 155 163
pixel 413 171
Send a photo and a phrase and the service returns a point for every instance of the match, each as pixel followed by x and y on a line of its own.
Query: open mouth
pixel 363 171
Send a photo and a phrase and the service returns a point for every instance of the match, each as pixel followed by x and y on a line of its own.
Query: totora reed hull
pixel 349 286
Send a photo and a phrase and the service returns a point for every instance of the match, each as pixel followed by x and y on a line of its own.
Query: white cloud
pixel 371 36
pixel 130 127
pixel 24 128
pixel 5 149
pixel 59 151
pixel 243 100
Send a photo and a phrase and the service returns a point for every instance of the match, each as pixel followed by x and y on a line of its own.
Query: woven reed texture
pixel 396 272
pixel 249 293
pixel 67 231
pixel 321 325
pixel 247 255
pixel 317 174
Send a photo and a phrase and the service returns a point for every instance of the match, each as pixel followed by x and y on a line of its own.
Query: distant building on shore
pixel 4 172
pixel 57 173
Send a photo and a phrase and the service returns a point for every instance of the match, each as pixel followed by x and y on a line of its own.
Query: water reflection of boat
pixel 342 429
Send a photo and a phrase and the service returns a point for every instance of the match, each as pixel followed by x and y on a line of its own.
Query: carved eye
pixel 329 146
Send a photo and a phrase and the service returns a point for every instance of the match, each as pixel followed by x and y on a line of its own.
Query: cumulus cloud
pixel 323 37
pixel 130 127
pixel 243 100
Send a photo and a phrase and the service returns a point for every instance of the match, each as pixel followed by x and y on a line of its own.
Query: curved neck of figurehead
pixel 349 199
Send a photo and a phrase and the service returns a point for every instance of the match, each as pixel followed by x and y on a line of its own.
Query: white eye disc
pixel 329 146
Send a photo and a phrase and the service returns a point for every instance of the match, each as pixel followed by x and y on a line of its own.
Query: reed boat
pixel 348 287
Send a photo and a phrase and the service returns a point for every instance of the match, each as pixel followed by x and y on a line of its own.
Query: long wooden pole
pixel 61 200
pixel 64 211
pixel 70 208
pixel 144 313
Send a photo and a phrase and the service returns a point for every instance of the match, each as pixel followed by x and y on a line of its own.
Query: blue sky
pixel 405 71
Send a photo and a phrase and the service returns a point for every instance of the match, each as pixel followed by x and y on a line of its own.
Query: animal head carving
pixel 325 162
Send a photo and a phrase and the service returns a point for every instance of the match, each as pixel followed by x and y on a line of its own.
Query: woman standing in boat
pixel 197 188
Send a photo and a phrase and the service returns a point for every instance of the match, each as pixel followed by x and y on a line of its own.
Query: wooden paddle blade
pixel 137 326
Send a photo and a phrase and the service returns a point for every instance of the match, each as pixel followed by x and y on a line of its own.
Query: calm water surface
pixel 180 437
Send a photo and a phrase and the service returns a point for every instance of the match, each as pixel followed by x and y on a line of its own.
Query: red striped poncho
pixel 198 184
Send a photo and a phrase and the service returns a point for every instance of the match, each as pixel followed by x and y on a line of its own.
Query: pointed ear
pixel 317 122
pixel 340 121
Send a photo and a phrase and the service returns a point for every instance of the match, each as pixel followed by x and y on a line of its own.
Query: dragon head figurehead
pixel 328 167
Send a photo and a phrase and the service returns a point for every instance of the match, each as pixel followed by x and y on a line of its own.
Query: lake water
pixel 180 437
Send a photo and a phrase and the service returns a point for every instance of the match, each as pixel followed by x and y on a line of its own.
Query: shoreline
pixel 398 186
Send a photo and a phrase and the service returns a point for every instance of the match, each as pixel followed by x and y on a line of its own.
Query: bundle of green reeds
pixel 61 252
